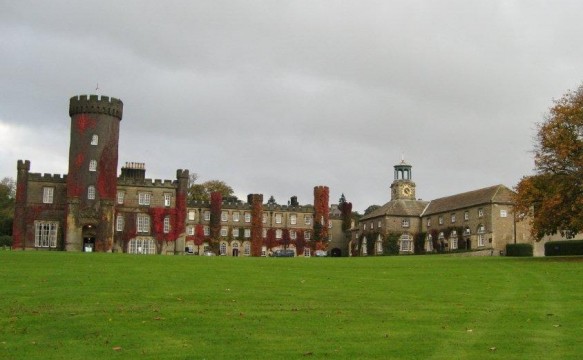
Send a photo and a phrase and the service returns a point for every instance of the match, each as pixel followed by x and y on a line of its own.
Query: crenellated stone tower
pixel 92 177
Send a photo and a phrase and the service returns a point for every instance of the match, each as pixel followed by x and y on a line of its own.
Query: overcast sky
pixel 276 97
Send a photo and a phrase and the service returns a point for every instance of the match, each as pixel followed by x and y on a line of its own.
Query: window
pixel 406 243
pixel 329 224
pixel 119 223
pixel 453 240
pixel 466 215
pixel 235 232
pixel 166 224
pixel 428 222
pixel 94 139
pixel 452 218
pixel 264 233
pixel 48 193
pixel 236 216
pixel 91 192
pixel 503 213
pixel 191 215
pixel 167 199
pixel 223 248
pixel 405 223
pixel 379 244
pixel 93 165
pixel 278 234
pixel 144 198
pixel 247 249
pixel 307 252
pixel 307 235
pixel 190 230
pixel 45 234
pixel 120 197
pixel 480 212
pixel 224 231
pixel 207 216
pixel 224 216
pixel 247 233
pixel 207 231
pixel 429 243
pixel 278 218
pixel 481 235
pixel 143 223
pixel 247 217
pixel 142 245
pixel 372 225
pixel 307 219
pixel 293 234
pixel 364 246
pixel 264 218
pixel 379 224
pixel 363 226
pixel 440 220
pixel 467 232
pixel 293 219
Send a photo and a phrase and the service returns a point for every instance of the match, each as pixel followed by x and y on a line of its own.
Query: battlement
pixel 47 177
pixel 95 104
pixel 131 181
pixel 184 174
pixel 23 165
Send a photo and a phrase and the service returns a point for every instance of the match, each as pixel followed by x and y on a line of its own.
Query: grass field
pixel 56 305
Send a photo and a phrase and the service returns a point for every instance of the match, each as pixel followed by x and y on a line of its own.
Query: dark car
pixel 284 253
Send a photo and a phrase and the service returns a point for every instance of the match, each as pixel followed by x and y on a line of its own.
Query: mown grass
pixel 56 305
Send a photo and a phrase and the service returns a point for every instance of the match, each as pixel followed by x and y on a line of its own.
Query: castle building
pixel 93 209
pixel 482 219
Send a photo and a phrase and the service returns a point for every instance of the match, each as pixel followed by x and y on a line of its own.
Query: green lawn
pixel 56 305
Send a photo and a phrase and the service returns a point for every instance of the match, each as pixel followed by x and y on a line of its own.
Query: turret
pixel 19 224
pixel 92 177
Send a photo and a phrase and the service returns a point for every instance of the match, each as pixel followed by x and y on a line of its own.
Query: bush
pixel 564 247
pixel 5 240
pixel 518 250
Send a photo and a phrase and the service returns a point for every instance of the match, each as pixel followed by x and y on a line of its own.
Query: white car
pixel 321 253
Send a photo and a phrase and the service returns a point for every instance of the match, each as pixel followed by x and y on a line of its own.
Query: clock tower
pixel 403 187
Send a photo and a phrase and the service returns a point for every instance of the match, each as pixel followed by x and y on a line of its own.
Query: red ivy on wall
pixel 215 223
pixel 300 242
pixel 256 201
pixel 321 212
pixel 270 241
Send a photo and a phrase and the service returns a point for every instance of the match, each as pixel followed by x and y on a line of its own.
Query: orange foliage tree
pixel 553 197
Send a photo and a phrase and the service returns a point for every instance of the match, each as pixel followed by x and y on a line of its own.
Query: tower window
pixel 48 195
pixel 120 197
pixel 167 199
pixel 93 165
pixel 94 139
pixel 91 192
pixel 119 223
pixel 45 233
pixel 143 223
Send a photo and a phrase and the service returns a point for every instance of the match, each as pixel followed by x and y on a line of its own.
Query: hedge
pixel 564 247
pixel 5 240
pixel 519 250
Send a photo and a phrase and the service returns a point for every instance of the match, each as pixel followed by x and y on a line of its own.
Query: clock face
pixel 406 190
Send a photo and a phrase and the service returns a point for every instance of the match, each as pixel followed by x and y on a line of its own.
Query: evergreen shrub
pixel 519 250
pixel 564 247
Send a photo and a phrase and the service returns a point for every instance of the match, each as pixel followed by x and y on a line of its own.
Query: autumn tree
pixel 553 196
pixel 346 211
pixel 7 193
pixel 202 192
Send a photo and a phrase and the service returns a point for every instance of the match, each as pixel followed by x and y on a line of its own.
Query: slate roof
pixel 398 208
pixel 493 194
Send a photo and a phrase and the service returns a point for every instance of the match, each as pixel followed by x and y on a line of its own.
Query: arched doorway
pixel 88 233
pixel 336 252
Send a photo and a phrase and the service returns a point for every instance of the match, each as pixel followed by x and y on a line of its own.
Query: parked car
pixel 208 253
pixel 284 253
pixel 320 253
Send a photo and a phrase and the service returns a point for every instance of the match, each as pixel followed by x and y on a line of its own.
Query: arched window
pixel 429 243
pixel 406 243
pixel 481 235
pixel 223 248
pixel 453 240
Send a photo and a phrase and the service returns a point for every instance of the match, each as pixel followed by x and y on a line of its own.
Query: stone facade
pixel 93 209
pixel 482 219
